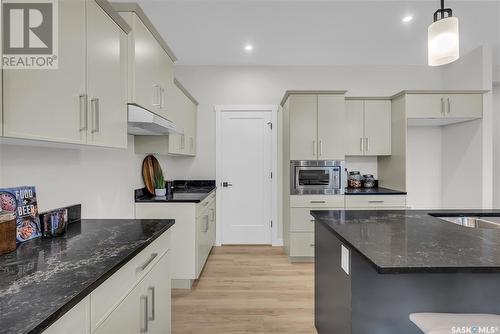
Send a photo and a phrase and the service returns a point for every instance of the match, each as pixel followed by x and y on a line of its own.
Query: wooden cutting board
pixel 150 168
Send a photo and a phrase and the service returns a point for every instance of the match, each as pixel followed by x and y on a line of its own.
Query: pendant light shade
pixel 443 38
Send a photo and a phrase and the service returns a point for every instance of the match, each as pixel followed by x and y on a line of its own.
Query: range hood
pixel 142 122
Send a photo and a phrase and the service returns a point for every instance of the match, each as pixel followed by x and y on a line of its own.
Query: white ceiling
pixel 314 32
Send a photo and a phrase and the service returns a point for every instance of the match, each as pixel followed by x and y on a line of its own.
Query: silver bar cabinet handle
pixel 449 105
pixel 151 290
pixel 83 113
pixel 376 201
pixel 148 262
pixel 144 307
pixel 320 147
pixel 442 106
pixel 317 202
pixel 361 144
pixel 94 104
pixel 367 147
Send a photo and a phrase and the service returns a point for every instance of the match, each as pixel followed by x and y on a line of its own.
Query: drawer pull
pixel 148 262
pixel 312 245
pixel 151 290
pixel 312 221
pixel 376 201
pixel 317 202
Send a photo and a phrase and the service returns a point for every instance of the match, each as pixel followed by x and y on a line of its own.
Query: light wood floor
pixel 247 289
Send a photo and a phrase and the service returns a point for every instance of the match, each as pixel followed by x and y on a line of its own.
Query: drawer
pixel 375 201
pixel 317 201
pixel 301 244
pixel 205 204
pixel 111 292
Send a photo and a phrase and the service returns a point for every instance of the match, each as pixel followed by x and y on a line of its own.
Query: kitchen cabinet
pixel 85 102
pixel 316 126
pixel 299 228
pixel 368 127
pixel 444 105
pixel 146 309
pixel 150 63
pixel 193 235
pixel 76 320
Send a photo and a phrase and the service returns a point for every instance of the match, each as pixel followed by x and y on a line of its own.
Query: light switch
pixel 345 259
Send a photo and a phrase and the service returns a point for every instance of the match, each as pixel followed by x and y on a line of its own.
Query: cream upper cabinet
pixel 149 67
pixel 107 78
pixel 331 122
pixel 368 127
pixel 184 114
pixel 303 127
pixel 81 102
pixel 377 124
pixel 46 104
pixel 444 105
pixel 354 128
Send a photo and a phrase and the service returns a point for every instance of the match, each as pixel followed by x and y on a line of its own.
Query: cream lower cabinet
pixel 299 230
pixel 193 235
pixel 84 100
pixel 316 126
pixel 135 299
pixel 368 127
pixel 370 202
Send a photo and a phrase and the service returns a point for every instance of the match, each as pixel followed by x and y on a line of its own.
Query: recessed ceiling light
pixel 407 19
pixel 248 47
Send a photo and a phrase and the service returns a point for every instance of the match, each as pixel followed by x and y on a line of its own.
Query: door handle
pixel 449 105
pixel 361 144
pixel 155 100
pixel 442 106
pixel 83 112
pixel 94 105
pixel 320 147
pixel 151 291
pixel 367 149
pixel 227 184
pixel 144 306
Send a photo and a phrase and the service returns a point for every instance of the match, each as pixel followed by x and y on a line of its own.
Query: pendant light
pixel 443 38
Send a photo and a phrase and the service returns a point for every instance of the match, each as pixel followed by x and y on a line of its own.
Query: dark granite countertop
pixel 413 241
pixel 44 278
pixel 182 192
pixel 373 191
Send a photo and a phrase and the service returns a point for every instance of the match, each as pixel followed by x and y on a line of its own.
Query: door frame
pixel 273 109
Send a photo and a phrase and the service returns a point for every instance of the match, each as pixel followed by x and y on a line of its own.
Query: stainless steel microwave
pixel 317 177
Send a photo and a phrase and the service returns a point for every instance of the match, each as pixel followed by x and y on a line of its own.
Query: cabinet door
pixel 425 106
pixel 75 321
pixel 202 241
pixel 331 122
pixel 106 80
pixel 464 105
pixel 45 104
pixel 157 287
pixel 165 79
pixel 377 127
pixel 144 66
pixel 354 136
pixel 303 127
pixel 130 316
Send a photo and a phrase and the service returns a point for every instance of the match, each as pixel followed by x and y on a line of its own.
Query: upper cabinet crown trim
pixel 185 91
pixel 108 8
pixel 311 92
pixel 135 8
pixel 404 92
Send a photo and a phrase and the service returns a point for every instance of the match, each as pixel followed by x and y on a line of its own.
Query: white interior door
pixel 246 167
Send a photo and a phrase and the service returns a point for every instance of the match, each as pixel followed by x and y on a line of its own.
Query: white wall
pixel 103 180
pixel 496 146
pixel 219 85
pixel 365 165
pixel 424 167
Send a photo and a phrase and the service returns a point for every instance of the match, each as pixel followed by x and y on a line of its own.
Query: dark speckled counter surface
pixel 413 241
pixel 44 278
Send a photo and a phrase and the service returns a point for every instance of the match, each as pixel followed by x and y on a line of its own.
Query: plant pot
pixel 160 192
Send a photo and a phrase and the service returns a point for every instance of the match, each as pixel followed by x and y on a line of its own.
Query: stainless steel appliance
pixel 309 177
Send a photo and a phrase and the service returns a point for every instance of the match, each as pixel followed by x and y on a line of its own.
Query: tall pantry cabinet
pixel 84 100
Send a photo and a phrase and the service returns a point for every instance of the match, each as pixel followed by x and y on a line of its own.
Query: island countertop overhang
pixel 414 241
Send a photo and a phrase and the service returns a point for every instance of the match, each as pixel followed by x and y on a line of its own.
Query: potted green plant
pixel 160 189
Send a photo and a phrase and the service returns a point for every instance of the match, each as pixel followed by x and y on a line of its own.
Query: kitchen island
pixel 374 268
pixel 46 278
